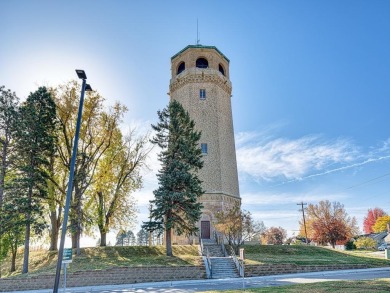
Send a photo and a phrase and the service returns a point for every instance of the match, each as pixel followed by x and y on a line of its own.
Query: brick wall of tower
pixel 213 116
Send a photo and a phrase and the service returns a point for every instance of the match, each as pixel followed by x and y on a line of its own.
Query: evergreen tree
pixel 176 207
pixel 156 237
pixel 142 237
pixel 120 237
pixel 35 140
pixel 131 240
pixel 8 109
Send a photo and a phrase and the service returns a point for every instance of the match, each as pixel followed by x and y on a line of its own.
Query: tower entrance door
pixel 205 229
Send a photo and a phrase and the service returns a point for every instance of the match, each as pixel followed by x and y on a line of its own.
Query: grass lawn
pixel 309 255
pixel 100 258
pixel 378 286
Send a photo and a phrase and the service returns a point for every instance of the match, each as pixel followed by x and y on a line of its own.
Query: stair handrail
pixel 239 266
pixel 223 249
pixel 219 239
pixel 215 234
pixel 209 263
pixel 201 245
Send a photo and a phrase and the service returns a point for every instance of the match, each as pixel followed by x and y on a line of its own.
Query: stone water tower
pixel 200 82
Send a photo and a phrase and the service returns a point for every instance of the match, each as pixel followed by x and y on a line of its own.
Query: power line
pixel 368 181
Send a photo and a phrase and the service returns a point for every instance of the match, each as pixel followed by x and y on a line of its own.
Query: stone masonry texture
pixel 114 276
pixel 213 117
pixel 129 275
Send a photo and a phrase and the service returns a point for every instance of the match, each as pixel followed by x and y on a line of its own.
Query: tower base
pixel 212 203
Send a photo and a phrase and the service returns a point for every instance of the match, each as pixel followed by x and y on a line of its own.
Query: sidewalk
pixel 236 283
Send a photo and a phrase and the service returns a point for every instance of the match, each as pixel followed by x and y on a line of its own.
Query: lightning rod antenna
pixel 197 32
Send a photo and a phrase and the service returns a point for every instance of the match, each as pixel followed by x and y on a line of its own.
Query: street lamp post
pixel 85 87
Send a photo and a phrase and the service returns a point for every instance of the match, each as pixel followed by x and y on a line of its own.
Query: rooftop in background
pixel 200 47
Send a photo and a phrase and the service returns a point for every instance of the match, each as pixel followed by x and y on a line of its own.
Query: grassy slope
pixel 377 286
pixel 308 255
pixel 108 257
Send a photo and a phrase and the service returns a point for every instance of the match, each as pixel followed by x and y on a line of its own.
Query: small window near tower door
pixel 203 146
pixel 202 94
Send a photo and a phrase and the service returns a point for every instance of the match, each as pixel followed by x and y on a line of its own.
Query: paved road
pixel 225 284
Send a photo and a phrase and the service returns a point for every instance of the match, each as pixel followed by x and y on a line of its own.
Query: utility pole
pixel 303 214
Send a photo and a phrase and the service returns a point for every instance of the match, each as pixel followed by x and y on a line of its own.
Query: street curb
pixel 191 282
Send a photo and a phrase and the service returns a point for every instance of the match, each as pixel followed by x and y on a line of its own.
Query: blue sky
pixel 311 85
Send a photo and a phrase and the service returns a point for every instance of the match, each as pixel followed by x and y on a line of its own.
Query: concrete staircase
pixel 222 267
pixel 214 249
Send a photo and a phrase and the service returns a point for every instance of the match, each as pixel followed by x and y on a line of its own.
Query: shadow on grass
pixel 103 258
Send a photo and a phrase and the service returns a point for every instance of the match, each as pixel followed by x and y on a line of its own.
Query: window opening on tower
pixel 202 94
pixel 203 147
pixel 202 63
pixel 181 68
pixel 220 67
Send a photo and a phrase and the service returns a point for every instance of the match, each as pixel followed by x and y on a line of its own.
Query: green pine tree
pixel 176 205
pixel 35 141
pixel 8 109
pixel 142 237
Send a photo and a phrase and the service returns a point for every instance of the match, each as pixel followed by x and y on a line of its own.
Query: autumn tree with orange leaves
pixel 330 223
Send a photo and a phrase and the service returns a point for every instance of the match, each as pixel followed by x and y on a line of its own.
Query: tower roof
pixel 200 47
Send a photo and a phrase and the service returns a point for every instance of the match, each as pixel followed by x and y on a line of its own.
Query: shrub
pixel 350 245
pixel 365 243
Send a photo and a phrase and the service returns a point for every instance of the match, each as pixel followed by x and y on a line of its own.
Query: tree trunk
pixel 74 239
pixel 78 236
pixel 76 225
pixel 13 261
pixel 26 246
pixel 103 238
pixel 78 219
pixel 27 235
pixel 54 231
pixel 54 206
pixel 100 221
pixel 168 242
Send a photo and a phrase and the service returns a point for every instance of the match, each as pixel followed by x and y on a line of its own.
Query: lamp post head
pixel 88 88
pixel 81 74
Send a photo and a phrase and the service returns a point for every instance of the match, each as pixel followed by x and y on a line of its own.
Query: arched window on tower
pixel 220 67
pixel 202 63
pixel 181 68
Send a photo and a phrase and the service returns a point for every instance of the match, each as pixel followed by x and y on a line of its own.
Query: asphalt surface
pixel 225 284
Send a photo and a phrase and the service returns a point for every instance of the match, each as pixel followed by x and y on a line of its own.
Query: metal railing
pixel 239 266
pixel 223 249
pixel 216 238
pixel 219 240
pixel 208 260
pixel 209 263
